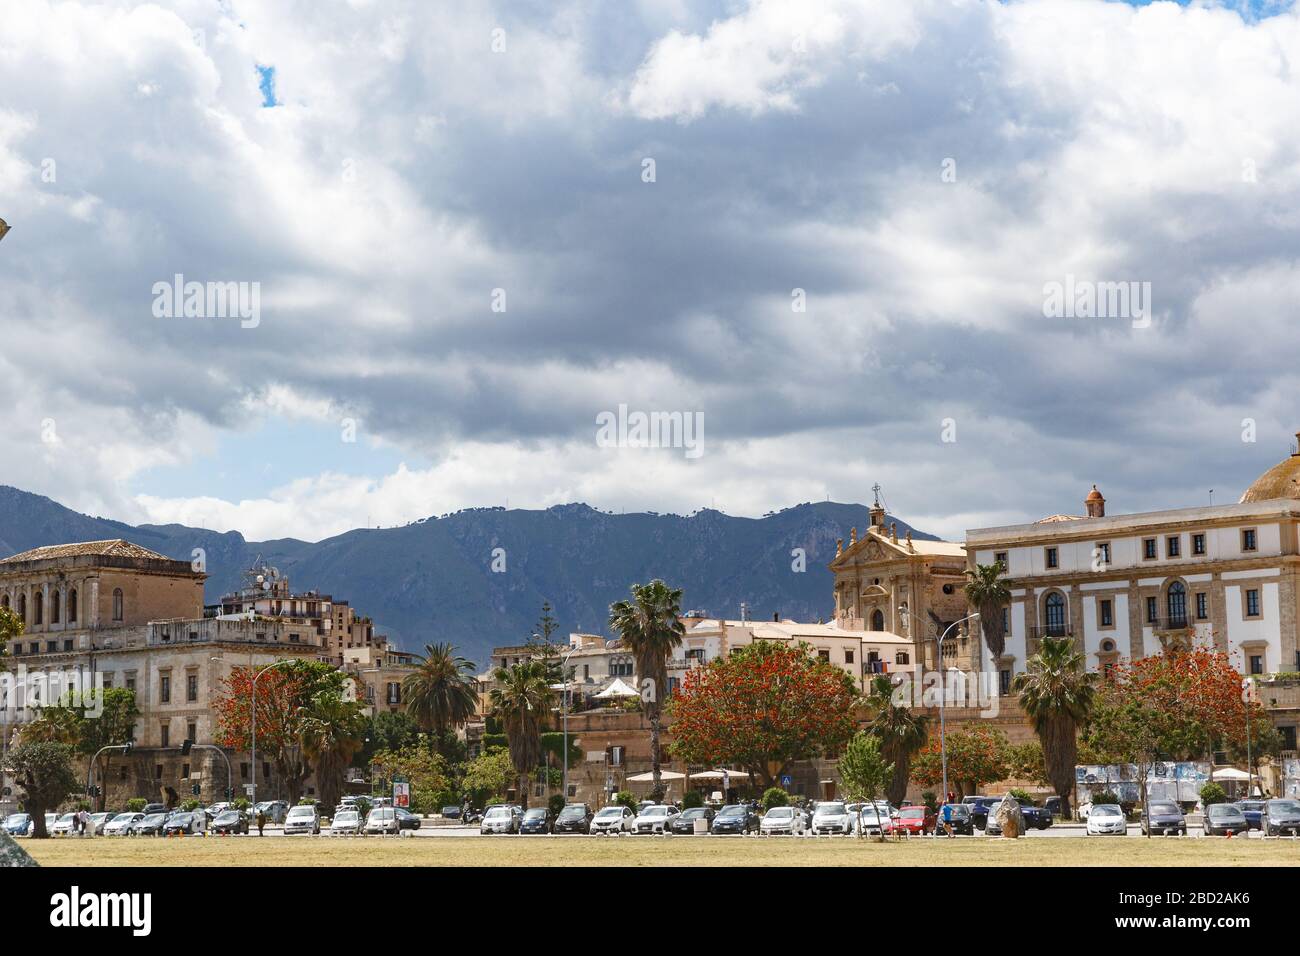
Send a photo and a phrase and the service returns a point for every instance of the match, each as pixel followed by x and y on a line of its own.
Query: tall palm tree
pixel 901 733
pixel 1057 694
pixel 989 594
pixel 440 693
pixel 650 627
pixel 521 700
pixel 333 731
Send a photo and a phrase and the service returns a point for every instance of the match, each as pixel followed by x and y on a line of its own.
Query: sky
pixel 826 233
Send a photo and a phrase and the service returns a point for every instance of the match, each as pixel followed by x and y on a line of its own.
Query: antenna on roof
pixel 1211 496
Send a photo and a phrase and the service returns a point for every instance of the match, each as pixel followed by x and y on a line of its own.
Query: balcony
pixel 1172 622
pixel 1040 631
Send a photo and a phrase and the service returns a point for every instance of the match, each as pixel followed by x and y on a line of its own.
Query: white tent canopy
pixel 718 774
pixel 1232 773
pixel 649 777
pixel 618 689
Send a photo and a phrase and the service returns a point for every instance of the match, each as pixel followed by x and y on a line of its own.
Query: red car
pixel 916 820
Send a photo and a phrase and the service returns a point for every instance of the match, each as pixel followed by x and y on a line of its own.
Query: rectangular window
pixel 130 684
pixel 157 771
pixel 67 645
pixel 1288 737
pixel 185 770
pixel 1103 552
pixel 1202 605
pixel 191 687
pixel 1256 664
pixel 191 731
pixel 1198 544
pixel 166 735
pixel 848 657
pixel 1052 558
pixel 1249 540
pixel 1107 613
pixel 1173 546
pixel 108 680
pixel 165 690
pixel 243 771
pixel 825 656
pixel 1000 557
pixel 1004 682
pixel 1148 549
pixel 51 646
pixel 1151 610
pixel 1252 603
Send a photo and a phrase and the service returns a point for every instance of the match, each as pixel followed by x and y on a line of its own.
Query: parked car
pixel 1163 817
pixel 960 816
pixel 98 821
pixel 1106 818
pixel 979 809
pixel 304 818
pixel 122 823
pixel 152 808
pixel 1281 816
pixel 149 824
pixel 832 816
pixel 276 810
pixel 612 819
pixel 382 820
pixel 918 820
pixel 180 824
pixel 502 818
pixel 406 820
pixel 62 825
pixel 230 821
pixel 684 823
pixel 788 820
pixel 735 818
pixel 870 818
pixel 450 813
pixel 1253 811
pixel 346 822
pixel 574 818
pixel 217 809
pixel 654 819
pixel 536 820
pixel 18 824
pixel 1040 818
pixel 1224 819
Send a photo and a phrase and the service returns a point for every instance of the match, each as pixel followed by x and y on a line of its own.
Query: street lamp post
pixel 943 694
pixel 564 718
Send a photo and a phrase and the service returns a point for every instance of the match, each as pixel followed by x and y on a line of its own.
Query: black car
pixel 451 813
pixel 152 808
pixel 179 824
pixel 684 823
pixel 962 819
pixel 979 809
pixel 574 818
pixel 231 821
pixel 1165 817
pixel 536 820
pixel 150 825
pixel 735 818
pixel 1281 816
pixel 406 820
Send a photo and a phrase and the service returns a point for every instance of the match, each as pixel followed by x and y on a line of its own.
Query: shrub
pixel 625 798
pixel 190 805
pixel 241 803
pixel 1105 796
pixel 775 797
pixel 136 804
pixel 692 798
pixel 1212 793
pixel 1023 796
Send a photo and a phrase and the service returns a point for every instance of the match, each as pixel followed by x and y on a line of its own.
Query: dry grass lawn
pixel 658 851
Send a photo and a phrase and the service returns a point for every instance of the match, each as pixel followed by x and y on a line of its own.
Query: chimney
pixel 1095 504
pixel 853 537
pixel 776 617
pixel 893 532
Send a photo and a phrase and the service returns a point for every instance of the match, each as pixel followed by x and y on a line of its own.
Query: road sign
pixel 786 780
pixel 402 795
pixel 250 789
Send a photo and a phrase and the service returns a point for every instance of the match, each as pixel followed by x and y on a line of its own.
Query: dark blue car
pixel 1252 810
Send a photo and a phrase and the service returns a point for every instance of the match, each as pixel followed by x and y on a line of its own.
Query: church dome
pixel 1280 481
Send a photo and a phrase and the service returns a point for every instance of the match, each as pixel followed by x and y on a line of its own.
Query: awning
pixel 649 777
pixel 1232 773
pixel 718 774
pixel 617 689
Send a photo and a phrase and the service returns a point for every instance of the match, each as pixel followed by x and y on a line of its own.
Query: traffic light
pixel 230 793
pixel 195 790
pixel 186 746
pixel 128 747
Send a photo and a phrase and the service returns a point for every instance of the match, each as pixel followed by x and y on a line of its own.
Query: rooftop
pixel 112 548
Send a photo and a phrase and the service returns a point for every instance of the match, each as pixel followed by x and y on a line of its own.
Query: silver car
pixel 503 818
pixel 831 816
pixel 304 818
pixel 1280 816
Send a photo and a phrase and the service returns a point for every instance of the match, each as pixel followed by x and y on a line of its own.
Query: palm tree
pixel 440 694
pixel 333 732
pixel 900 731
pixel 989 594
pixel 650 627
pixel 1057 695
pixel 520 700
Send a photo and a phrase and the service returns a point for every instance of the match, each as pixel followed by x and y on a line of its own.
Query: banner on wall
pixel 1178 781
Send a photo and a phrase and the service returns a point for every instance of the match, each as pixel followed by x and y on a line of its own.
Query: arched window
pixel 1176 604
pixel 22 608
pixel 1054 612
pixel 4 600
pixel 877 620
pixel 72 606
pixel 117 604
pixel 54 607
pixel 38 608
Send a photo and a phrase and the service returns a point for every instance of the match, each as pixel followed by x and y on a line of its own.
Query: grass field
pixel 652 851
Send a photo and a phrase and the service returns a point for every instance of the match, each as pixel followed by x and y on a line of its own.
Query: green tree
pixel 43 771
pixel 989 594
pixel 11 628
pixel 1212 793
pixel 775 797
pixel 333 731
pixel 386 730
pixel 440 694
pixel 424 770
pixel 488 776
pixel 864 771
pixel 521 699
pixel 650 627
pixel 1025 762
pixel 901 733
pixel 1057 694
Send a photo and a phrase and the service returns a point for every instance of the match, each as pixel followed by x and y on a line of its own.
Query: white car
pixel 783 820
pixel 304 818
pixel 121 824
pixel 871 818
pixel 503 818
pixel 345 821
pixel 381 820
pixel 832 816
pixel 63 825
pixel 616 819
pixel 1106 818
pixel 654 819
pixel 98 821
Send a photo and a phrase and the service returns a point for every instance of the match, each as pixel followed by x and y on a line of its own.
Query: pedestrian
pixel 261 821
pixel 85 822
pixel 947 819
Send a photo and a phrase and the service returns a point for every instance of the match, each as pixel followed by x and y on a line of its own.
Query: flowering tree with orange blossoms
pixel 761 708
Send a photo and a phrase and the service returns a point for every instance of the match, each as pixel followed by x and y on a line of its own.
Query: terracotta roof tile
pixel 113 548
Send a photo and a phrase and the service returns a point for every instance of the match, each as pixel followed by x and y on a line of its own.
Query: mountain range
pixel 478 578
